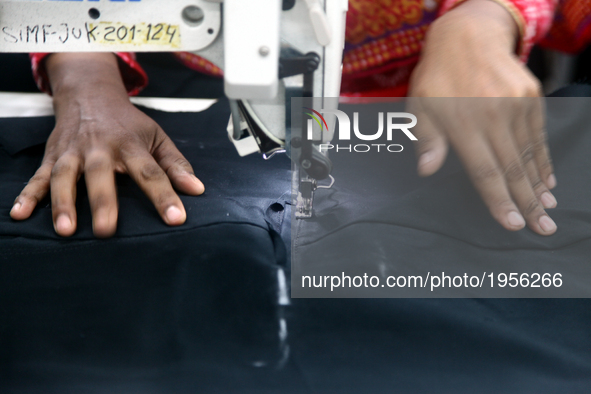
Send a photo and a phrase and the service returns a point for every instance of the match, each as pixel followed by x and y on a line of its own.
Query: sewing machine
pixel 270 51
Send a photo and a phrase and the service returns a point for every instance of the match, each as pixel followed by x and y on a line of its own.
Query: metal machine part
pixel 305 197
pixel 306 68
pixel 251 42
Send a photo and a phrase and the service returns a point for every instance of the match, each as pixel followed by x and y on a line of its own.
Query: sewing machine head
pixel 270 51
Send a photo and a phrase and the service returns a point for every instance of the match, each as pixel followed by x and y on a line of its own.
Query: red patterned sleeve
pixel 199 64
pixel 571 31
pixel 533 17
pixel 134 77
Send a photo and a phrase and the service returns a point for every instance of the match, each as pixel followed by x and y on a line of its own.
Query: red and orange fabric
pixel 571 30
pixel 384 40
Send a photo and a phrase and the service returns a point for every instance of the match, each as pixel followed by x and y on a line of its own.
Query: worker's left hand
pixel 98 133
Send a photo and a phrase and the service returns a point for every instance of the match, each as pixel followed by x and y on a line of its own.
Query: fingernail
pixel 16 207
pixel 515 219
pixel 102 220
pixel 63 223
pixel 547 224
pixel 551 182
pixel 199 184
pixel 173 214
pixel 426 158
pixel 194 179
pixel 548 200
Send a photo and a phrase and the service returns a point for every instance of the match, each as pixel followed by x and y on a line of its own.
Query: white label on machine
pixel 107 25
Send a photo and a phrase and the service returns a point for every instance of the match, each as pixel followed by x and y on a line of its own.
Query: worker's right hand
pixel 99 132
pixel 472 93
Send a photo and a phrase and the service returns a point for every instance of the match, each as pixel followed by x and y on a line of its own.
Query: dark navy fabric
pixel 154 304
pixel 446 345
pixel 196 309
pixel 382 219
